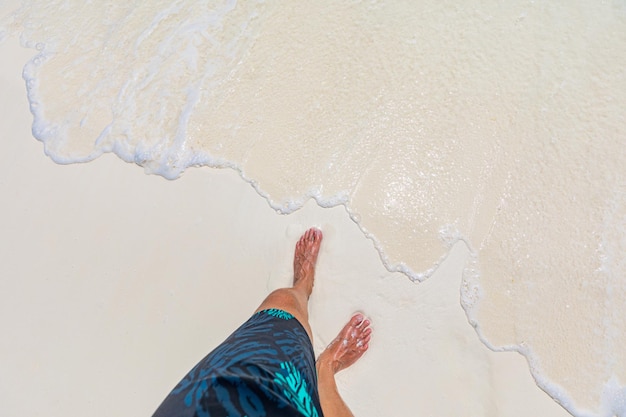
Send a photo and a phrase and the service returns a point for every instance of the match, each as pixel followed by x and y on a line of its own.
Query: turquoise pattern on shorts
pixel 295 389
pixel 281 314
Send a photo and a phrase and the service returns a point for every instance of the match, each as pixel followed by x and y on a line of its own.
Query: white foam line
pixel 449 234
pixel 614 395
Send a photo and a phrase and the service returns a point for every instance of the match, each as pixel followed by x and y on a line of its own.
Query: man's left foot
pixel 305 259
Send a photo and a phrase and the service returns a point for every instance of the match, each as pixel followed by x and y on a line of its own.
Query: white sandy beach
pixel 476 148
pixel 114 283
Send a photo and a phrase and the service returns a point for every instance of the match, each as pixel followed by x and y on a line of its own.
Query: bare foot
pixel 305 259
pixel 349 345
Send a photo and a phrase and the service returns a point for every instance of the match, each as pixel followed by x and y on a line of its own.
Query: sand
pixel 114 283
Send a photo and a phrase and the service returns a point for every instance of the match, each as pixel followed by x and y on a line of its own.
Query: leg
pixel 221 385
pixel 295 300
pixel 347 348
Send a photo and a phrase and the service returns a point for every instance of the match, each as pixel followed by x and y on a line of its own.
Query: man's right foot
pixel 349 345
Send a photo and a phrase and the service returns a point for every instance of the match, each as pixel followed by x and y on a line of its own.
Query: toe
pixel 357 319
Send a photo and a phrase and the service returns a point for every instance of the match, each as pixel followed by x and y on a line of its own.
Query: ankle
pixel 326 365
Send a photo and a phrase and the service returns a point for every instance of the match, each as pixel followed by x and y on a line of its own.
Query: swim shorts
pixel 265 368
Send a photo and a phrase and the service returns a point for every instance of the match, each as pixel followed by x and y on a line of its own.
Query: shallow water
pixel 501 125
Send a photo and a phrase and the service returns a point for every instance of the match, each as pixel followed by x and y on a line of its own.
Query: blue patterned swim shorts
pixel 265 368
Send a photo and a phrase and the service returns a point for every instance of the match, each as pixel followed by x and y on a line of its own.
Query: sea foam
pixel 499 125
